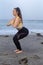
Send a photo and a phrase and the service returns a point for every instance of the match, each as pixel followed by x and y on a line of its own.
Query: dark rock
pixel 23 60
pixel 6 36
pixel 41 42
pixel 39 34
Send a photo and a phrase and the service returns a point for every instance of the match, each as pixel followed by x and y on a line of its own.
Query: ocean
pixel 34 26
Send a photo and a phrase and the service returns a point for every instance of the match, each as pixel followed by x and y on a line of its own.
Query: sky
pixel 31 9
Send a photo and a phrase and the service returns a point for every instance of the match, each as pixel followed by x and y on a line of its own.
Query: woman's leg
pixel 16 41
pixel 19 35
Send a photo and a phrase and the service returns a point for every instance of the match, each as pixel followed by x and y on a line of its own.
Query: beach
pixel 32 46
pixel 14 13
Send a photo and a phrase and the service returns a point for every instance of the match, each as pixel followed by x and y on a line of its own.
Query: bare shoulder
pixel 18 18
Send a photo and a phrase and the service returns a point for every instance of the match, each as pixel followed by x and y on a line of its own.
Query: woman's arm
pixel 11 22
pixel 16 23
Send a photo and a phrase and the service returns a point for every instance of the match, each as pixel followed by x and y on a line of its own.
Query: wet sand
pixel 31 45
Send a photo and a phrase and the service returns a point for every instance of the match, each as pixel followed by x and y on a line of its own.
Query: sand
pixel 31 45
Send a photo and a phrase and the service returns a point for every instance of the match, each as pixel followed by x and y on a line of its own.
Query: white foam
pixel 14 31
pixel 34 31
pixel 8 32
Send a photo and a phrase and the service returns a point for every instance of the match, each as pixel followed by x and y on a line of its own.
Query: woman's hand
pixel 8 24
pixel 11 22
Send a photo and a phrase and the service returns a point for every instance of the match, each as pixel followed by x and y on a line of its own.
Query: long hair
pixel 19 13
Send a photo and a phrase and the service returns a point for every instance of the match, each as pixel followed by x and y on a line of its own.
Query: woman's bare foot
pixel 16 50
pixel 19 52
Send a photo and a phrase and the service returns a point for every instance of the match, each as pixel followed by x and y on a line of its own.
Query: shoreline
pixel 14 31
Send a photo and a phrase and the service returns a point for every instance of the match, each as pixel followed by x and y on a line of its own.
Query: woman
pixel 17 23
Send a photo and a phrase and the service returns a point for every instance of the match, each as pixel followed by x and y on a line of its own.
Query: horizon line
pixel 26 19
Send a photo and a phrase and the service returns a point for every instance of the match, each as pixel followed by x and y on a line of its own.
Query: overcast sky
pixel 31 9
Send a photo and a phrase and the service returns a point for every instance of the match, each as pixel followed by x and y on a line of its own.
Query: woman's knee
pixel 14 38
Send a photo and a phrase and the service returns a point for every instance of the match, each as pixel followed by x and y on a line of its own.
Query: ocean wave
pixel 14 31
